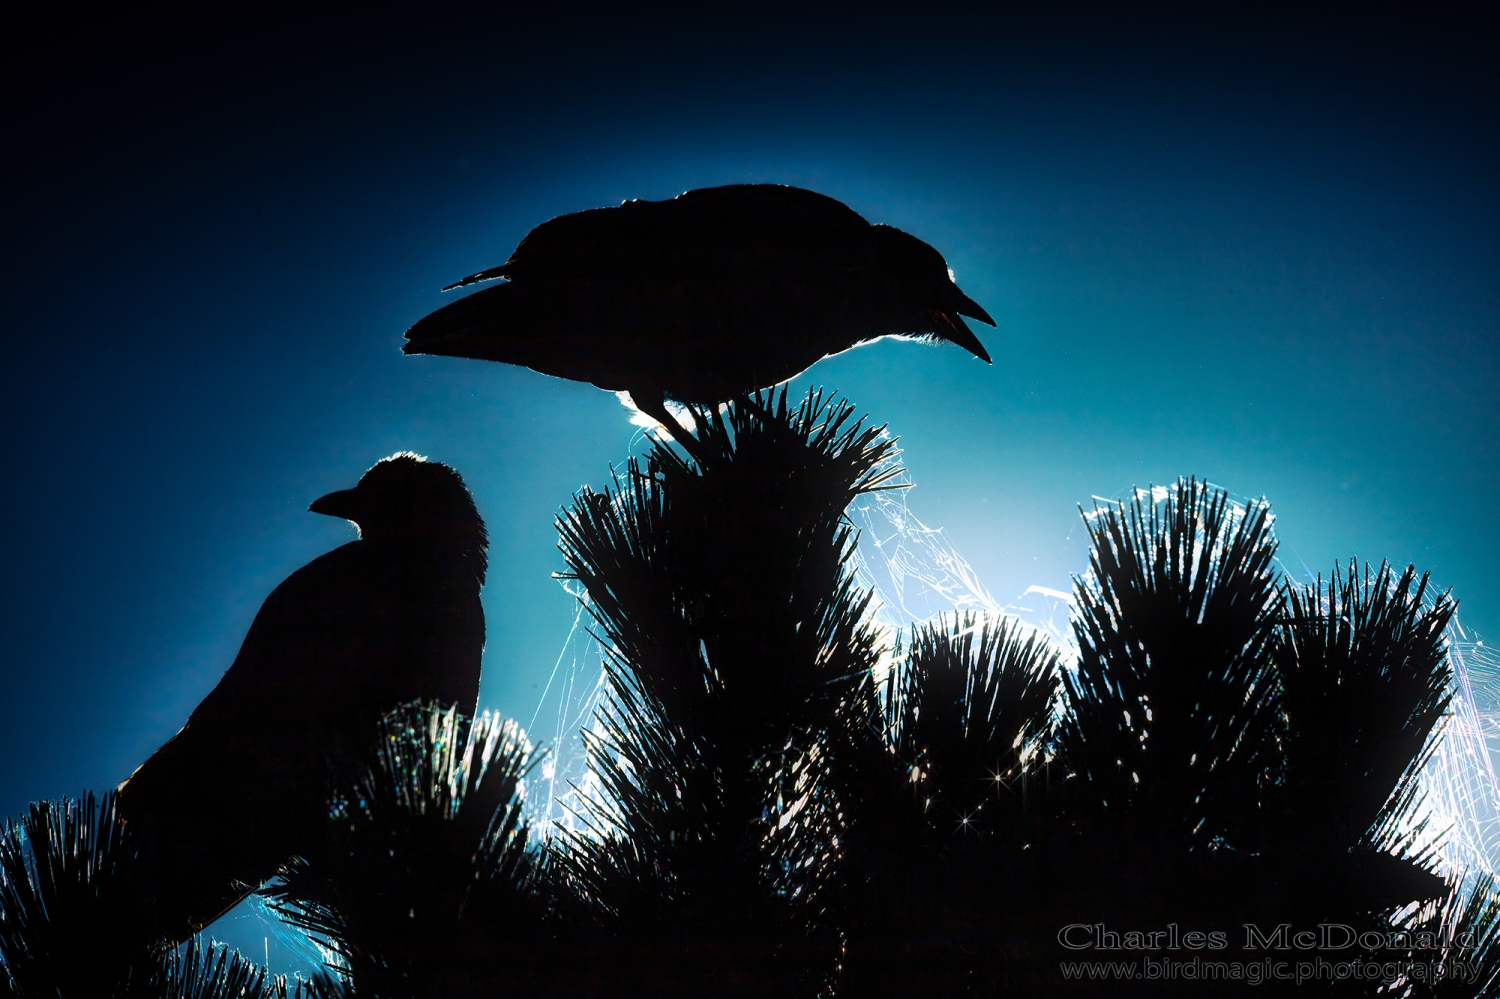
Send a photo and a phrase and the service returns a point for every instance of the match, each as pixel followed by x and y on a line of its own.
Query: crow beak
pixel 344 503
pixel 966 306
pixel 960 334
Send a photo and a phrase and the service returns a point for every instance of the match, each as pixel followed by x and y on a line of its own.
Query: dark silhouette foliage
pixel 424 885
pixel 392 617
pixel 69 920
pixel 207 971
pixel 1364 677
pixel 704 298
pixel 924 821
pixel 723 589
pixel 72 926
pixel 1464 929
pixel 780 803
pixel 1170 707
pixel 969 711
pixel 1168 731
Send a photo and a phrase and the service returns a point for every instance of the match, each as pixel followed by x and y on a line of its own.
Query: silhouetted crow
pixel 392 617
pixel 705 297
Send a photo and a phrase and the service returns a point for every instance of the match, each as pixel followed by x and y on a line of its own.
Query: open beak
pixel 960 334
pixel 344 503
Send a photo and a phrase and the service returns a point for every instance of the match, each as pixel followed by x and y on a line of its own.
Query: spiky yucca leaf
pixel 1170 715
pixel 71 919
pixel 1168 733
pixel 655 800
pixel 721 587
pixel 1456 942
pixel 213 971
pixel 736 568
pixel 668 863
pixel 1365 678
pixel 425 883
pixel 932 838
pixel 965 719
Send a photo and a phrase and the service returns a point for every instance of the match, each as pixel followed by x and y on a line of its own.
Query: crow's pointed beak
pixel 960 334
pixel 966 306
pixel 344 503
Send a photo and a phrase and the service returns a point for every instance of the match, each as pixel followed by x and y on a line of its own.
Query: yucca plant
pixel 934 818
pixel 213 971
pixel 425 886
pixel 1364 680
pixel 71 919
pixel 1235 749
pixel 74 923
pixel 1167 730
pixel 722 588
pixel 970 711
pixel 767 820
pixel 1455 942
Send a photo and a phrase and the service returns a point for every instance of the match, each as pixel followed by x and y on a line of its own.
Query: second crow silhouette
pixel 703 298
pixel 390 618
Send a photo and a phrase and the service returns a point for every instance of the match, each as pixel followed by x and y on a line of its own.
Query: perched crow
pixel 392 617
pixel 705 297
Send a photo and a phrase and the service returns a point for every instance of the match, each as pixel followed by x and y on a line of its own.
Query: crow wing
pixel 245 782
pixel 745 230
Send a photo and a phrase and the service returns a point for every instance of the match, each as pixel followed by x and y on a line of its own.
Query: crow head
pixel 924 294
pixel 406 499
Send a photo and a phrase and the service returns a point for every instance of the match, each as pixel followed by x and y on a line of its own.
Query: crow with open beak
pixel 704 298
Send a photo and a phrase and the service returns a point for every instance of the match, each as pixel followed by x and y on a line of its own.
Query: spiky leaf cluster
pixel 70 922
pixel 76 924
pixel 722 587
pixel 425 883
pixel 916 830
pixel 1171 706
pixel 1363 682
pixel 1458 938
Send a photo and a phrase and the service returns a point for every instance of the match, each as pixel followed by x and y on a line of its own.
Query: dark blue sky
pixel 1261 252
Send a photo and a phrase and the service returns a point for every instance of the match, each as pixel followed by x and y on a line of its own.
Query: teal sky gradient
pixel 1208 251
